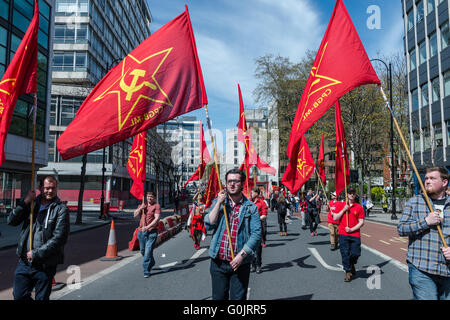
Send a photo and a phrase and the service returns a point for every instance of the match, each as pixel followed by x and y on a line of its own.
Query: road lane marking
pixel 385 242
pixel 404 249
pixel 169 266
pixel 316 254
pixel 367 235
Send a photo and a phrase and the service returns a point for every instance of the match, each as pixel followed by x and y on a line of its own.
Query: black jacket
pixel 54 232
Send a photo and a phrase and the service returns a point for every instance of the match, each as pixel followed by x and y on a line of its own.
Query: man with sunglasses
pixel 230 274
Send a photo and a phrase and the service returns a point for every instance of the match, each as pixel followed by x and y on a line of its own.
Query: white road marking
pixel 248 293
pixel 382 241
pixel 316 254
pixel 168 266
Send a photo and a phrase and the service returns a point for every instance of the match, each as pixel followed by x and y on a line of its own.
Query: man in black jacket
pixel 51 223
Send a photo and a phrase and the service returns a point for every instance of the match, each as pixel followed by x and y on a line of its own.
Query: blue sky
pixel 231 34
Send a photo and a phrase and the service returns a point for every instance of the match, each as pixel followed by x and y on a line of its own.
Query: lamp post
pixel 102 197
pixel 393 167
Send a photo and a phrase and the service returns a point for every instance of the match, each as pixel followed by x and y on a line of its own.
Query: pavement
pixel 9 235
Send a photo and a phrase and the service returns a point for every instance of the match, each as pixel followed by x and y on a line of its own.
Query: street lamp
pixel 389 73
pixel 102 197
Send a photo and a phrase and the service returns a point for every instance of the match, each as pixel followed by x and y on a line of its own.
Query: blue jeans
pixel 27 277
pixel 350 248
pixel 146 245
pixel 227 284
pixel 427 286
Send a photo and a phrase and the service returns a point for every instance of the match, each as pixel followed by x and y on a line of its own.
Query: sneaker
pixel 253 269
pixel 348 276
pixel 312 234
pixel 258 270
pixel 315 233
pixel 281 233
pixel 304 228
pixel 332 247
pixel 264 245
pixel 146 276
pixel 285 234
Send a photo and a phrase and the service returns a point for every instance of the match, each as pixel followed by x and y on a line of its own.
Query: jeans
pixel 146 245
pixel 227 284
pixel 258 257
pixel 427 286
pixel 28 277
pixel 313 219
pixel 350 251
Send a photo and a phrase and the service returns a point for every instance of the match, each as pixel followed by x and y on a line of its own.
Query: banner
pixel 341 153
pixel 158 81
pixel 136 164
pixel 19 77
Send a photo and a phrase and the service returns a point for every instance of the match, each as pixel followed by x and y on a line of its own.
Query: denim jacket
pixel 249 229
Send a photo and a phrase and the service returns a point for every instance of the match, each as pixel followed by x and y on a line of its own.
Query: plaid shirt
pixel 424 248
pixel 225 250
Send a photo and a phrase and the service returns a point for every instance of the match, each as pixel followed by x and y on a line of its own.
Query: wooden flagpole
pixel 220 182
pixel 345 178
pixel 33 171
pixel 413 165
pixel 321 184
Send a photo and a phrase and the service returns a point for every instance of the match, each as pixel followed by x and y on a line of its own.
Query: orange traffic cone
pixel 56 286
pixel 111 251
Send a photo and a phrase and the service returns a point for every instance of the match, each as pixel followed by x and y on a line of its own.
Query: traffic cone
pixel 56 286
pixel 111 251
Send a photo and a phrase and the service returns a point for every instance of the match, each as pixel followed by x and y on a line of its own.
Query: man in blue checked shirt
pixel 428 260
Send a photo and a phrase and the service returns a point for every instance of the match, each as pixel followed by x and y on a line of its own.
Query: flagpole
pixel 345 178
pixel 413 165
pixel 218 178
pixel 321 184
pixel 33 172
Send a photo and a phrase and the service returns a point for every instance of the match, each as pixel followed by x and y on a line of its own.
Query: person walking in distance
pixel 334 206
pixel 281 207
pixel 197 227
pixel 349 234
pixel 262 209
pixel 312 215
pixel 50 231
pixel 427 258
pixel 149 213
pixel 230 273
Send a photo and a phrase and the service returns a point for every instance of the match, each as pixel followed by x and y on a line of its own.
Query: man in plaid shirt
pixel 230 273
pixel 428 260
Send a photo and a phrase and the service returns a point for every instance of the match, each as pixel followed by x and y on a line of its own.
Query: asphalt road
pixel 295 267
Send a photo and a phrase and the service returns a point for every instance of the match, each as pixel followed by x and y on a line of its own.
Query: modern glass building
pixel 15 172
pixel 427 50
pixel 90 37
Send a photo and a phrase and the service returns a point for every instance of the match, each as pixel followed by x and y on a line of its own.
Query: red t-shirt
pixel 150 211
pixel 356 212
pixel 336 207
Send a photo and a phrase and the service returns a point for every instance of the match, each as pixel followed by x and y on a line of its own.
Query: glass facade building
pixel 427 50
pixel 15 172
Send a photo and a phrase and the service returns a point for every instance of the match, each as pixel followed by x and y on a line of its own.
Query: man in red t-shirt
pixel 351 219
pixel 333 225
pixel 149 213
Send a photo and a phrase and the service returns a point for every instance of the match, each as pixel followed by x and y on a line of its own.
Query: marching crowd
pixel 238 229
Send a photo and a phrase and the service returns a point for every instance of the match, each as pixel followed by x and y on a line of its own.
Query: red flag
pixel 341 153
pixel 136 164
pixel 204 158
pixel 158 81
pixel 322 160
pixel 212 188
pixel 341 64
pixel 244 132
pixel 260 163
pixel 300 167
pixel 19 77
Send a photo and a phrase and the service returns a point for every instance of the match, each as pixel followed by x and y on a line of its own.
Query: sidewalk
pixel 9 236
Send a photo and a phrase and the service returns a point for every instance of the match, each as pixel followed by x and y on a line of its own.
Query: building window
pixel 438 135
pixel 412 60
pixel 424 90
pixel 415 100
pixel 426 138
pixel 444 36
pixel 422 52
pixel 447 83
pixel 3 40
pixel 410 19
pixel 448 130
pixel 416 135
pixel 419 10
pixel 436 94
pixel 433 44
pixel 430 6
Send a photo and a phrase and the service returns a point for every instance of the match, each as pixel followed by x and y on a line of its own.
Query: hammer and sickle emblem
pixel 133 87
